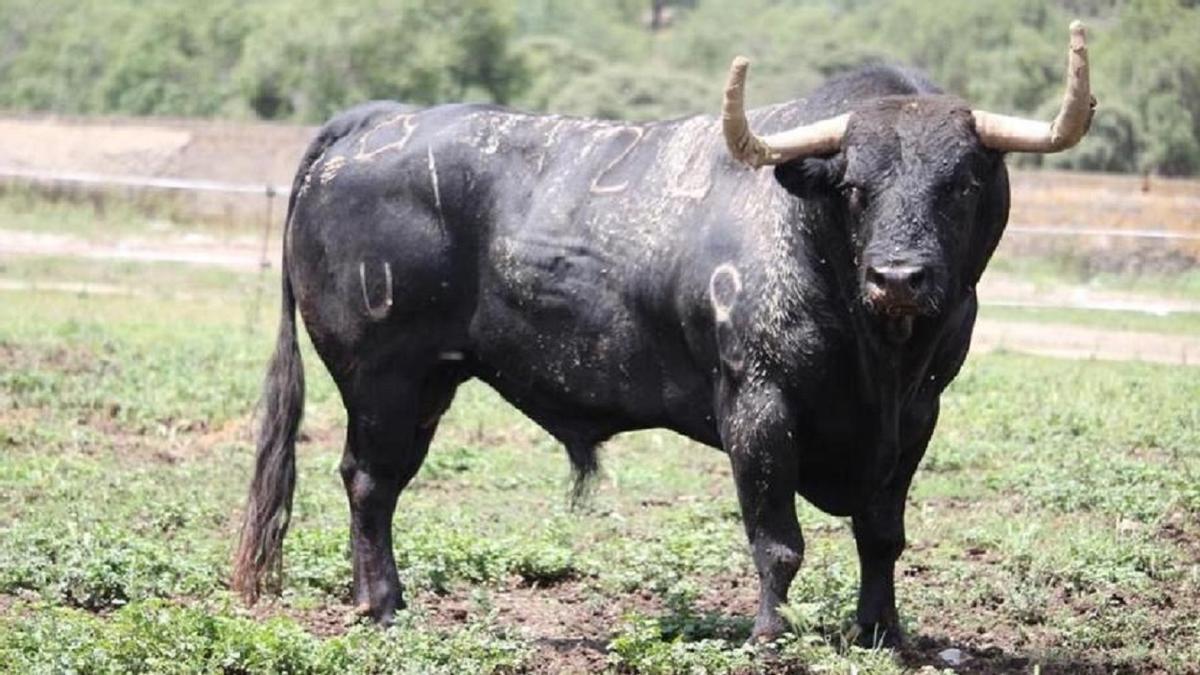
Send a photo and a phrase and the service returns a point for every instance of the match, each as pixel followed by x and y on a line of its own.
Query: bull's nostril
pixel 875 277
pixel 916 278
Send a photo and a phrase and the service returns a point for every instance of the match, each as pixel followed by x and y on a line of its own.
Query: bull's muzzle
pixel 897 290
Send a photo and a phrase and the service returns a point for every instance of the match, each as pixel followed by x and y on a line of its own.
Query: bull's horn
pixel 1017 134
pixel 818 138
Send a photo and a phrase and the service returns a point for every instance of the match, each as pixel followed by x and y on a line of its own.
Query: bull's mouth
pixel 895 318
pixel 898 328
pixel 894 308
pixel 900 311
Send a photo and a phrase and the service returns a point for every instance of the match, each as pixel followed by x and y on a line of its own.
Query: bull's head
pixel 910 176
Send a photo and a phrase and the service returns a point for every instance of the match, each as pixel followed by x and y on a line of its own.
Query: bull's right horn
pixel 819 138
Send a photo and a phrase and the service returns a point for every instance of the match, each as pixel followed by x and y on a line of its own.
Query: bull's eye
pixel 965 187
pixel 856 198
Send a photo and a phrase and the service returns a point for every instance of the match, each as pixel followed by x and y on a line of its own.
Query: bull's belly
pixel 587 371
pixel 838 488
pixel 572 383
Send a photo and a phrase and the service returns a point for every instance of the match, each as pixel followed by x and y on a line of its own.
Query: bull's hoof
pixel 876 635
pixel 767 629
pixel 357 614
pixel 383 613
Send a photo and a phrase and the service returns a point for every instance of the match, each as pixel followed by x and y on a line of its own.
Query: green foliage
pixel 98 568
pixel 632 92
pixel 642 647
pixel 158 637
pixel 306 59
pixel 146 386
pixel 175 61
pixel 298 59
pixel 544 563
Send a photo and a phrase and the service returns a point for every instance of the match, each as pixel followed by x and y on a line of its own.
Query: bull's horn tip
pixel 740 62
pixel 1078 32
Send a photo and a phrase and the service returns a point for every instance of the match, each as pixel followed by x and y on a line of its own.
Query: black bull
pixel 606 277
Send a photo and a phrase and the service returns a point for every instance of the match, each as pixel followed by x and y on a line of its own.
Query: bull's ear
pixel 811 177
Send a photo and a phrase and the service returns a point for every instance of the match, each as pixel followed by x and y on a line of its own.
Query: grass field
pixel 1054 525
pixel 1171 324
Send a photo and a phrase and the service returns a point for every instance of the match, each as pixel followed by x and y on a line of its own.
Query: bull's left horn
pixel 818 138
pixel 1017 134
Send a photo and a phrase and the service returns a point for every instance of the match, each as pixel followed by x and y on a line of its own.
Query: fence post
pixel 263 262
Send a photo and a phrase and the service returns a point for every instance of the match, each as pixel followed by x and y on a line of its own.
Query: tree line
pixel 302 60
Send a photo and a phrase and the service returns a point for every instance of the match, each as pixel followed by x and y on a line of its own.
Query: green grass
pixel 162 279
pixel 94 216
pixel 1170 324
pixel 1054 522
pixel 1074 267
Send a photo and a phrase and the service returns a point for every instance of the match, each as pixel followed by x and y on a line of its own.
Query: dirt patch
pixel 244 253
pixel 332 619
pixel 987 653
pixel 730 596
pixel 1106 201
pixel 236 152
pixel 1080 342
pixel 76 360
pixel 569 624
pixel 991 643
pixel 1183 531
pixel 1000 289
pixel 1141 261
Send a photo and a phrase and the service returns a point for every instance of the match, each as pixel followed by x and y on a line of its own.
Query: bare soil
pixel 237 152
pixel 1070 341
pixel 570 626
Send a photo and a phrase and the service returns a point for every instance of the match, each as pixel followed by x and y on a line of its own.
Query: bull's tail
pixel 259 559
pixel 258 563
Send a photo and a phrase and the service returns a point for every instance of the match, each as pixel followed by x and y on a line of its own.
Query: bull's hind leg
pixel 392 419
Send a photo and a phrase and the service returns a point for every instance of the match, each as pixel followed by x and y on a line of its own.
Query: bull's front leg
pixel 879 538
pixel 756 432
